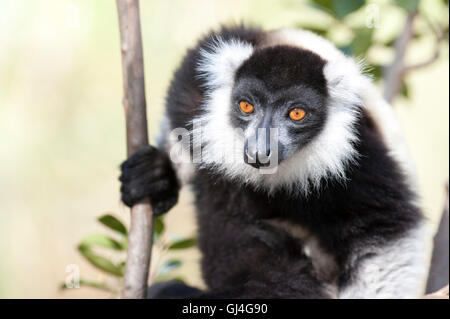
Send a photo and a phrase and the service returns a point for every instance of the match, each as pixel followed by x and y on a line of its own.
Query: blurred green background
pixel 62 126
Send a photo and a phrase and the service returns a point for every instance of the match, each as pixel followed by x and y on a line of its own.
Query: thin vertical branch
pixel 398 70
pixel 141 224
pixel 394 73
pixel 439 268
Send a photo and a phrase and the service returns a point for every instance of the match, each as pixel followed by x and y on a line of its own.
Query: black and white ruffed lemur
pixel 339 217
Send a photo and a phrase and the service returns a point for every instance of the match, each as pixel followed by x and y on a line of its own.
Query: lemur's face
pixel 279 100
pixel 309 92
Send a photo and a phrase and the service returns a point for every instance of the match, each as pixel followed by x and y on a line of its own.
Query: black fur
pixel 370 209
pixel 149 172
pixel 172 290
pixel 243 255
pixel 283 66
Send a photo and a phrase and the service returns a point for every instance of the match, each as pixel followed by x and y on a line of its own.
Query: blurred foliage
pixel 362 31
pixel 108 265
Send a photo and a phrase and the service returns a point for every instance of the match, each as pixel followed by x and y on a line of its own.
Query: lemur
pixel 326 207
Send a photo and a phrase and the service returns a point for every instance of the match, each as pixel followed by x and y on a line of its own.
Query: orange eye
pixel 297 114
pixel 246 107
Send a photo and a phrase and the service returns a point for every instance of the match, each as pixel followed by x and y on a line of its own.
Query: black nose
pixel 257 151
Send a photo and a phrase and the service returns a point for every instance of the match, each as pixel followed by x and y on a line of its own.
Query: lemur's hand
pixel 149 173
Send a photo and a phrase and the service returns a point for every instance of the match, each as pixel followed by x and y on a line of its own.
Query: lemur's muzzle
pixel 261 149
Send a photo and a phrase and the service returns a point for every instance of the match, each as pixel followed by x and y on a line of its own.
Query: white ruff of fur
pixel 324 158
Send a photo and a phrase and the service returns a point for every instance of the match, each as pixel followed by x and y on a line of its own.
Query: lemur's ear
pixel 220 60
pixel 346 80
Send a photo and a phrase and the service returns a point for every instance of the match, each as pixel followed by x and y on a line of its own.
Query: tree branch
pixel 394 73
pixel 141 224
pixel 438 275
pixel 439 38
pixel 397 70
pixel 440 294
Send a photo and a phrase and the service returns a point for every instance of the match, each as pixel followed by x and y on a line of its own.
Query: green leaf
pixel 158 226
pixel 169 266
pixel 122 267
pixel 103 241
pixel 124 243
pixel 90 283
pixel 376 71
pixel 346 49
pixel 167 278
pixel 405 90
pixel 362 41
pixel 183 244
pixel 316 30
pixel 100 261
pixel 338 8
pixel 408 5
pixel 113 223
pixel 326 5
pixel 343 8
pixel 390 42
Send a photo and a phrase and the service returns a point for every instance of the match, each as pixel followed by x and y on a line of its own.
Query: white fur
pixel 397 271
pixel 325 157
pixel 306 40
pixel 220 61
